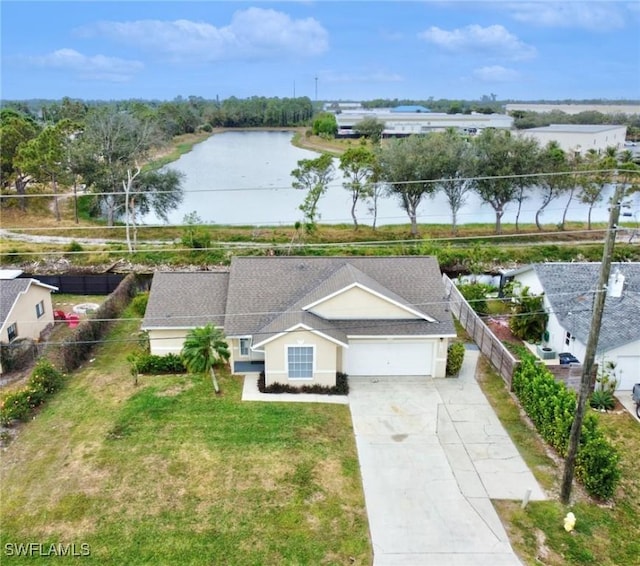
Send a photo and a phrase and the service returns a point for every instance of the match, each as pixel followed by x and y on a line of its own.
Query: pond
pixel 244 178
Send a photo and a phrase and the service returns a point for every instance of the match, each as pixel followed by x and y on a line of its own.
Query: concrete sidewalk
pixel 627 402
pixel 432 456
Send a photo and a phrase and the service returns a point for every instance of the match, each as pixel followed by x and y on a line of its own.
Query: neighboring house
pixel 303 319
pixel 569 292
pixel 25 307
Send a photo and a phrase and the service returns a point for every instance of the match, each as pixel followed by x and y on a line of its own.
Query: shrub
pixel 455 357
pixel 44 381
pixel 551 407
pixel 74 247
pixel 77 348
pixel 139 303
pixel 17 355
pixel 476 296
pixel 340 388
pixel 603 400
pixel 156 365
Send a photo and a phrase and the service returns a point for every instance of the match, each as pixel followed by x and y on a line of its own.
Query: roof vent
pixel 616 284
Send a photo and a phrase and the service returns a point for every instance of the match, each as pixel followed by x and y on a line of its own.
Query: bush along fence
pixel 19 405
pixel 551 407
pixel 78 348
pixel 489 344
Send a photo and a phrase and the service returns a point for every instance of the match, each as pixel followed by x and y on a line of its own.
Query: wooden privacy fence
pixel 489 344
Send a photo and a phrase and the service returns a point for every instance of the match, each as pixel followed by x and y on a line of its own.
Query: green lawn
pixel 605 534
pixel 168 473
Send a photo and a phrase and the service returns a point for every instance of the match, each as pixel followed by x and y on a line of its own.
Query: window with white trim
pixel 245 345
pixel 12 331
pixel 300 362
pixel 40 309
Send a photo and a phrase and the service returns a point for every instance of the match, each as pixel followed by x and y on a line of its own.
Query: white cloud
pixel 495 74
pixel 88 67
pixel 252 33
pixel 597 16
pixel 493 40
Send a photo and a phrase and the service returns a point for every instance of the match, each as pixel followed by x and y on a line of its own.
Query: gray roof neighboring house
pixel 265 296
pixel 186 299
pixel 10 290
pixel 570 287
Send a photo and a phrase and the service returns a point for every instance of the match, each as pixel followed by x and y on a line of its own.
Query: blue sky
pixel 357 50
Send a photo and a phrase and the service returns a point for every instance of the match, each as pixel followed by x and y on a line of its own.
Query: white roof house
pixel 420 122
pixel 579 138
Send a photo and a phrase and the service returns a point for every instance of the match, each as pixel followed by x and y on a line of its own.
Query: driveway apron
pixel 432 456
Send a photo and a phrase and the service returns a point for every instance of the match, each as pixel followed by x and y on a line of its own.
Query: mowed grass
pixel 167 472
pixel 605 534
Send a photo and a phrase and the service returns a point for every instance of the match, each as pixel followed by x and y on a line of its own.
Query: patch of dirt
pixel 499 325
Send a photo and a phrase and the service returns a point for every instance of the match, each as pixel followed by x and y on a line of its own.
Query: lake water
pixel 244 178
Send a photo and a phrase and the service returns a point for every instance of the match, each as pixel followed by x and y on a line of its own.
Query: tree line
pixel 502 168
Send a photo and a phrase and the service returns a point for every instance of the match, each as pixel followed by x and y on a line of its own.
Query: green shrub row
pixel 340 388
pixel 157 365
pixel 551 407
pixel 455 357
pixel 77 348
pixel 44 382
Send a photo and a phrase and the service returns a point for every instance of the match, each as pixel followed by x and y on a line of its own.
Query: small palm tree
pixel 203 348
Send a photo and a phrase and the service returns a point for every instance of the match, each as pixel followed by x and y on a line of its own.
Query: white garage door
pixel 628 368
pixel 389 358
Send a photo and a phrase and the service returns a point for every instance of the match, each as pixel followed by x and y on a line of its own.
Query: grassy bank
pixel 168 473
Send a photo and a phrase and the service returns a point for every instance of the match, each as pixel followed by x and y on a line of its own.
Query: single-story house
pixel 26 310
pixel 568 297
pixel 302 319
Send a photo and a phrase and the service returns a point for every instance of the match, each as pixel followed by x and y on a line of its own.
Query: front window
pixel 40 309
pixel 12 331
pixel 300 362
pixel 245 344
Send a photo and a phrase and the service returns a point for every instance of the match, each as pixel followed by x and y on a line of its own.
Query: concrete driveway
pixel 432 455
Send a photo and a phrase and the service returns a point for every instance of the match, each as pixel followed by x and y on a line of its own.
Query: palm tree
pixel 203 347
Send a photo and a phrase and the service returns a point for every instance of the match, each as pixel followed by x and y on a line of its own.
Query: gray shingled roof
pixel 288 320
pixel 264 287
pixel 186 300
pixel 9 291
pixel 569 288
pixel 11 288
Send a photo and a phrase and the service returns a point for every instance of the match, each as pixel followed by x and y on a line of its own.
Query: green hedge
pixel 156 365
pixel 455 357
pixel 340 388
pixel 551 407
pixel 44 382
pixel 78 348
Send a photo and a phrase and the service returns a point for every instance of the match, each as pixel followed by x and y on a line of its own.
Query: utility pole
pixel 592 344
pixel 316 89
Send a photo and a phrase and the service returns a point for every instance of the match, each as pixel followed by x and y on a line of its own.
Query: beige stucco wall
pixel 325 359
pixel 167 341
pixel 356 303
pixel 234 349
pixel 24 315
pixel 440 361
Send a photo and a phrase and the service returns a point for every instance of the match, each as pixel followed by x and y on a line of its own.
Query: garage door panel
pixel 389 358
pixel 628 368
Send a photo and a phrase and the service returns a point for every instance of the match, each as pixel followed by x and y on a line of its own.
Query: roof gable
pixel 361 303
pixel 262 289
